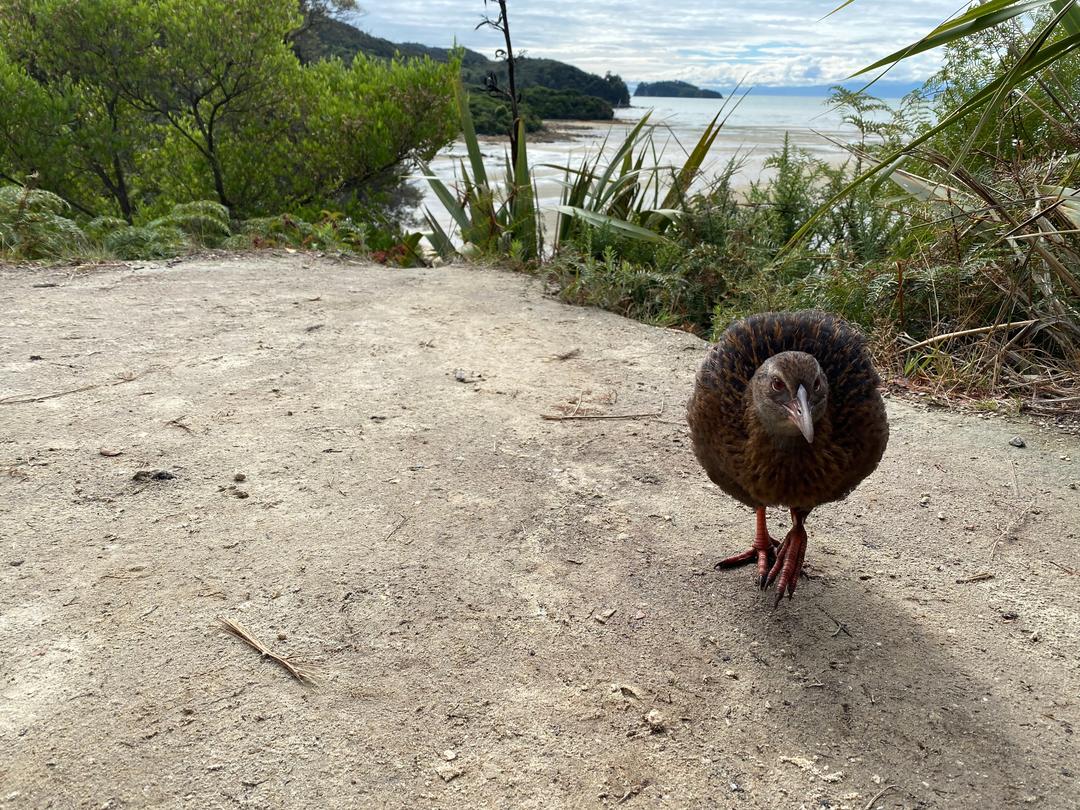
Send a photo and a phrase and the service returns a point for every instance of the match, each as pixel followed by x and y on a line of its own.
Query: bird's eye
pixel 817 384
pixel 777 384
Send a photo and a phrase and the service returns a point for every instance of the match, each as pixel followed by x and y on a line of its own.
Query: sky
pixel 712 43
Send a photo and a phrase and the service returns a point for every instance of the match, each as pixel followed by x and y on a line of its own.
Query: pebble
pixel 1016 441
pixel 730 673
pixel 238 477
pixel 449 754
pixel 655 720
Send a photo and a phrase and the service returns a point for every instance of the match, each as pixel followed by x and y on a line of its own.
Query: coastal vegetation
pixel 132 130
pixel 550 89
pixel 950 235
pixel 674 89
pixel 119 111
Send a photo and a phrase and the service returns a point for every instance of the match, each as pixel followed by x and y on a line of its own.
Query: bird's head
pixel 790 393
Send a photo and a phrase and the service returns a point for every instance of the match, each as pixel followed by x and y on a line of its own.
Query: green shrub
pixel 146 242
pixel 100 227
pixel 491 116
pixel 205 221
pixel 32 225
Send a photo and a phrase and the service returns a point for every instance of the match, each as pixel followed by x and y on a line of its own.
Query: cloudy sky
pixel 709 42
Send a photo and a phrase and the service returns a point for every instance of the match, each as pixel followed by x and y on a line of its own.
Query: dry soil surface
pixel 506 611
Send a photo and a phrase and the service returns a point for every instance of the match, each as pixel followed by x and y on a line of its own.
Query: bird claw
pixel 787 567
pixel 762 552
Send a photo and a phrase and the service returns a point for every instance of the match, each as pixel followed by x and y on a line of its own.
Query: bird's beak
pixel 799 413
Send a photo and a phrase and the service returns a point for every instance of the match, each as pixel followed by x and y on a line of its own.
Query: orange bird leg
pixel 761 551
pixel 789 558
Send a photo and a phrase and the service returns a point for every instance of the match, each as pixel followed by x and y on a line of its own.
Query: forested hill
pixel 550 89
pixel 328 37
pixel 674 89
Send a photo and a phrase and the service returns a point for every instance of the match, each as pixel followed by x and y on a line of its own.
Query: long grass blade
pixel 440 240
pixel 616 224
pixel 977 19
pixel 468 133
pixel 446 197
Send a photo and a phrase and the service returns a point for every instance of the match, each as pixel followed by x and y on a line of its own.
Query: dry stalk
pixel 24 399
pixel 879 794
pixel 575 415
pixel 302 672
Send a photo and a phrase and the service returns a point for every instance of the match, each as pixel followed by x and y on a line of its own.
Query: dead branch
pixel 978 331
pixel 24 399
pixel 563 418
pixel 879 794
pixel 302 672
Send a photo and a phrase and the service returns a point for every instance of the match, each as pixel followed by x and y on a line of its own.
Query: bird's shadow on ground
pixel 873 686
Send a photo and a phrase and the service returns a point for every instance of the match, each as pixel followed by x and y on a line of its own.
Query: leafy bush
pixel 100 227
pixel 492 116
pixel 146 242
pixel 164 109
pixel 32 225
pixel 205 221
pixel 566 104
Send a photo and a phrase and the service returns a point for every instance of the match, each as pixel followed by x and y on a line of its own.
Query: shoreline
pixel 567 143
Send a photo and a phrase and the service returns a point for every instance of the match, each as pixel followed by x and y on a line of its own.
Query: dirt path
pixel 497 601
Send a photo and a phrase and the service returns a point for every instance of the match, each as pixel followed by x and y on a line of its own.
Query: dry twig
pixel 302 672
pixel 980 330
pixel 879 794
pixel 397 526
pixel 22 400
pixel 985 575
pixel 651 414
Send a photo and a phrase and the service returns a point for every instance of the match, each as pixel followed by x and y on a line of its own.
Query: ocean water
pixel 754 128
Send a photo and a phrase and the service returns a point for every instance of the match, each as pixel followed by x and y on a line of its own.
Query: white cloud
pixel 714 42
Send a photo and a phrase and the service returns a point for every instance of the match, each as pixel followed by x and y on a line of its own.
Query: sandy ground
pixel 496 601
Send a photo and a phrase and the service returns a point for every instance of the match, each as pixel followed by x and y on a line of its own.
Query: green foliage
pixel 330 38
pixel 87 138
pixel 492 116
pixel 554 75
pixel 492 221
pixel 721 253
pixel 205 221
pixel 145 242
pixel 99 227
pixel 547 103
pixel 125 108
pixel 32 225
pixel 331 233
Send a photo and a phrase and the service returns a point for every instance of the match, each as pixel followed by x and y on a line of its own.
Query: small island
pixel 674 89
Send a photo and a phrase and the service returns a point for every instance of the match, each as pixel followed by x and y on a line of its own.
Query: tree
pixel 77 54
pixel 501 23
pixel 314 10
pixel 213 65
pixel 131 106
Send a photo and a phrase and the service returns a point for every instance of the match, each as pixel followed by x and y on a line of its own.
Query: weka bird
pixel 785 411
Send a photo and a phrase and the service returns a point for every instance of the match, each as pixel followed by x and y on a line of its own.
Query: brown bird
pixel 786 412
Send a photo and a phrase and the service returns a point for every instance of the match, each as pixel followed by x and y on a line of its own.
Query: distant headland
pixel 674 89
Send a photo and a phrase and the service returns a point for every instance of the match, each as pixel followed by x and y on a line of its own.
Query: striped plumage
pixel 761 459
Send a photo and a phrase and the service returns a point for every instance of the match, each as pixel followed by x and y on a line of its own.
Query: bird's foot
pixel 763 552
pixel 788 564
